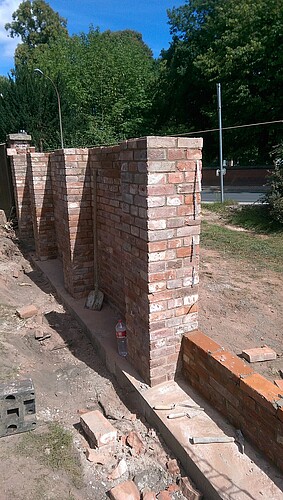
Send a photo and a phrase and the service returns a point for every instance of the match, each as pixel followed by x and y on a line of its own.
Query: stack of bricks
pixel 71 184
pixel 18 162
pixel 249 401
pixel 41 199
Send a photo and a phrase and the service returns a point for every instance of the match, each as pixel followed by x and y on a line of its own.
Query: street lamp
pixel 37 70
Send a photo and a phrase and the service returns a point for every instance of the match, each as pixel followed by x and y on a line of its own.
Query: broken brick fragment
pixel 124 491
pixel 259 354
pixel 173 467
pixel 26 312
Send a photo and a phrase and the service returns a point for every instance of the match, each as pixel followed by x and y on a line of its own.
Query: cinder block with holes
pixel 17 407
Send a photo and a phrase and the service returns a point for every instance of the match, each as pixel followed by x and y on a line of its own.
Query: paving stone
pixel 125 491
pixel 98 429
pixel 259 354
pixel 27 311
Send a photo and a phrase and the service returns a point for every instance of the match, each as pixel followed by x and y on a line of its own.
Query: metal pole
pixel 59 104
pixel 218 87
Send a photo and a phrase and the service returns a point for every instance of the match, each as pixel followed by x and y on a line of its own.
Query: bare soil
pixel 241 305
pixel 68 376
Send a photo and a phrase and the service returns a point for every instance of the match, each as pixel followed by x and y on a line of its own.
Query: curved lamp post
pixel 37 70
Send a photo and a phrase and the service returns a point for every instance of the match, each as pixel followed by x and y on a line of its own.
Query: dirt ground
pixel 68 376
pixel 240 307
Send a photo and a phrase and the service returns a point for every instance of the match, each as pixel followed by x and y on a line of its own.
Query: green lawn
pixel 261 245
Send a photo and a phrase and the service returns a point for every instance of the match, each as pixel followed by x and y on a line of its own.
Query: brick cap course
pixel 203 342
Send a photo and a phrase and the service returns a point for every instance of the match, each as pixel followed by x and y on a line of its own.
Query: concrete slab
pixel 220 471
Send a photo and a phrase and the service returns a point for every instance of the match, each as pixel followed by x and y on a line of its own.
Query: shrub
pixel 274 197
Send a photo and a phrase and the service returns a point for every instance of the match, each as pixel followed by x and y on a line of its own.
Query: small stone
pixel 124 491
pixel 27 311
pixel 119 470
pixel 96 457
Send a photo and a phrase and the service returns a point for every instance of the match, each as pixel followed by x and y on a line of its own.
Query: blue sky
pixel 149 17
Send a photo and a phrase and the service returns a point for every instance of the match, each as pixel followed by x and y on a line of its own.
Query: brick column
pixel 160 184
pixel 73 218
pixel 19 167
pixel 42 209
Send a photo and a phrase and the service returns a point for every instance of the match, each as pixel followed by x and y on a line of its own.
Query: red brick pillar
pixel 73 218
pixel 42 209
pixel 161 183
pixel 19 168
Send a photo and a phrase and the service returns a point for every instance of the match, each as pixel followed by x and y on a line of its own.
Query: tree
pixel 240 45
pixel 37 24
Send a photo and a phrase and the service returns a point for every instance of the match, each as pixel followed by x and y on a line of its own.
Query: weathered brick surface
pixel 124 491
pixel 27 311
pixel 248 400
pixel 19 169
pixel 98 429
pixel 147 223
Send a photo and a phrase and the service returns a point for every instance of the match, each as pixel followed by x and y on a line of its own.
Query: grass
pixel 262 245
pixel 54 449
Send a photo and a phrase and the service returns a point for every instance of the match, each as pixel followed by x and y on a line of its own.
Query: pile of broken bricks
pixel 103 441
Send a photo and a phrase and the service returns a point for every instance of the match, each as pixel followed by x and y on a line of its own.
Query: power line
pixel 228 128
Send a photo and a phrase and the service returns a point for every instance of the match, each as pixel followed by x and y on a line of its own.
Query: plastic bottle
pixel 121 336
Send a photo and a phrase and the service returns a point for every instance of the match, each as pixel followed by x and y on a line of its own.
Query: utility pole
pixel 221 170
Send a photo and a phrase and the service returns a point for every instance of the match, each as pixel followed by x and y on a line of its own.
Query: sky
pixel 149 17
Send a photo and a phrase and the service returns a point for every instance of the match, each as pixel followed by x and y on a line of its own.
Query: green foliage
pixel 53 448
pixel 261 252
pixel 238 44
pixel 274 197
pixel 103 80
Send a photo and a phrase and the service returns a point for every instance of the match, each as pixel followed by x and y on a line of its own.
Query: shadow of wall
pixel 71 184
pixel 41 203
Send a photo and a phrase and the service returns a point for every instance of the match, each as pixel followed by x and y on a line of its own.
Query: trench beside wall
pixel 142 201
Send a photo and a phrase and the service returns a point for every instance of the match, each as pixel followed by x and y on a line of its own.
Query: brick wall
pixel 146 195
pixel 250 402
pixel 41 204
pixel 18 162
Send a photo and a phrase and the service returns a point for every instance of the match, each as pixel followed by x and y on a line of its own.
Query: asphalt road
pixel 240 196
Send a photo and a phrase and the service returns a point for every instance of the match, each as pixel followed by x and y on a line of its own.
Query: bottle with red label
pixel 121 336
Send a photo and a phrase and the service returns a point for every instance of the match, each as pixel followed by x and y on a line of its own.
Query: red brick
pixel 261 390
pixel 149 495
pixel 98 429
pixel 235 367
pixel 202 341
pixel 124 491
pixel 164 495
pixel 259 354
pixel 26 312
